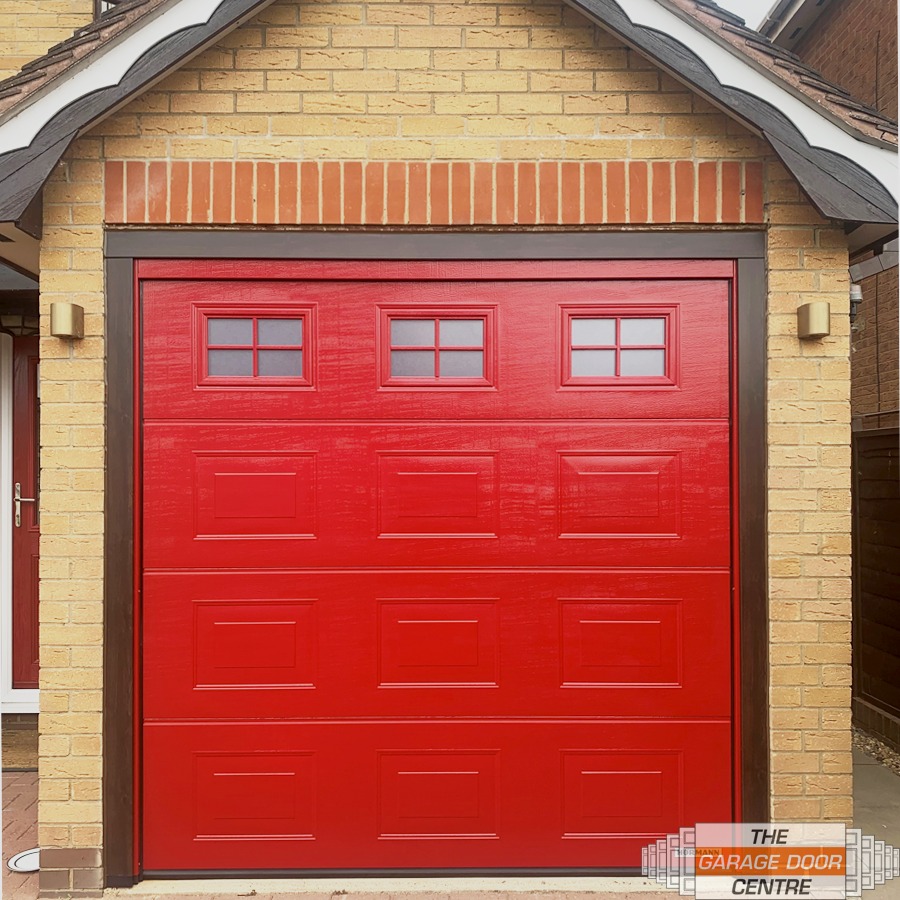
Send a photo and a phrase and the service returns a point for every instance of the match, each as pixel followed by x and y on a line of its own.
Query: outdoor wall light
pixel 814 320
pixel 856 299
pixel 67 320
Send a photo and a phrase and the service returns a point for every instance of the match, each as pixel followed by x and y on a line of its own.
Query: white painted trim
pixel 778 17
pixel 11 699
pixel 103 69
pixel 732 71
pixel 21 706
pixel 779 27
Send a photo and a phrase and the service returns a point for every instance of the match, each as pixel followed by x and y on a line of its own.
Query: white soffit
pixel 103 69
pixel 783 20
pixel 732 71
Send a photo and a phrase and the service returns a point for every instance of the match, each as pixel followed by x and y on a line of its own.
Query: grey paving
pixel 876 796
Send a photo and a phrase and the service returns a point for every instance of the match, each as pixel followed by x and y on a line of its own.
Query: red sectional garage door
pixel 436 563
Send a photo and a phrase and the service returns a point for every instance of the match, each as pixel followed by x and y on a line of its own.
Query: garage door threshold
pixel 550 888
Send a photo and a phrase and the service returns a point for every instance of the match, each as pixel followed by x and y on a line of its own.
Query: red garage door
pixel 436 563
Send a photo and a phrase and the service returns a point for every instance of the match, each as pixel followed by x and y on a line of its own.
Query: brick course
pixel 482 113
pixel 432 193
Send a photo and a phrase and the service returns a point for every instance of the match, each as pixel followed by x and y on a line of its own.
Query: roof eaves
pixel 37 129
pixel 789 21
pixel 848 178
pixel 761 54
pixel 45 72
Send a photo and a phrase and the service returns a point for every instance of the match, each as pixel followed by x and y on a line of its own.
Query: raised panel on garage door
pixel 597 494
pixel 418 535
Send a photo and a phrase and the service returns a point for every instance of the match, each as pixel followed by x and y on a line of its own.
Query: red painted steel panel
pixel 393 793
pixel 436 642
pixel 346 500
pixel 530 380
pixel 384 591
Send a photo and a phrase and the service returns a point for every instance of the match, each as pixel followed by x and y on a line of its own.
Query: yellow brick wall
pixel 411 80
pixel 809 513
pixel 72 473
pixel 485 80
pixel 28 28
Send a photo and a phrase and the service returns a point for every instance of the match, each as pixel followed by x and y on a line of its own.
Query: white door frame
pixel 12 700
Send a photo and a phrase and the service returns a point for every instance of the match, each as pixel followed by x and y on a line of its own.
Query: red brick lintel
pixel 433 193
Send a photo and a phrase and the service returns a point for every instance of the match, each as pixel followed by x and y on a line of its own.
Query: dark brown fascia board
pixel 838 187
pixel 440 245
pixel 124 247
pixel 31 222
pixel 23 172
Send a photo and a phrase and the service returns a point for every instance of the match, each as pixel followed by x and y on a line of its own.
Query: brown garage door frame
pixel 120 784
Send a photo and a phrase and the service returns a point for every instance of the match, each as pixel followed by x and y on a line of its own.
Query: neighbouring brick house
pixel 440 425
pixel 854 44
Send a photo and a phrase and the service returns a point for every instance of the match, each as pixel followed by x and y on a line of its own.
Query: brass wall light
pixel 67 320
pixel 814 320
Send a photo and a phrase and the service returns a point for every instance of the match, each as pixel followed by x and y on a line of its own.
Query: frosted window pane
pixel 231 362
pixel 593 363
pixel 462 364
pixel 412 363
pixel 230 331
pixel 643 362
pixel 412 332
pixel 462 332
pixel 643 331
pixel 287 332
pixel 593 332
pixel 281 362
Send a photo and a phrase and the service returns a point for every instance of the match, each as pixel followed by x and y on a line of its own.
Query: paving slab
pixel 876 799
pixel 20 794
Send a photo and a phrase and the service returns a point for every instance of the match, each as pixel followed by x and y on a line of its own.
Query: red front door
pixel 436 563
pixel 25 513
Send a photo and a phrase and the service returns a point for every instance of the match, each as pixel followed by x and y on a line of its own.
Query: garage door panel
pixel 283 645
pixel 583 494
pixel 346 342
pixel 428 795
pixel 410 546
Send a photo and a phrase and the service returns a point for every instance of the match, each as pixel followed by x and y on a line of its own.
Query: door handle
pixel 18 499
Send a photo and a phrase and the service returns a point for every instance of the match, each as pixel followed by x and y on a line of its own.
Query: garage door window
pixel 273 349
pixel 610 347
pixel 437 348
